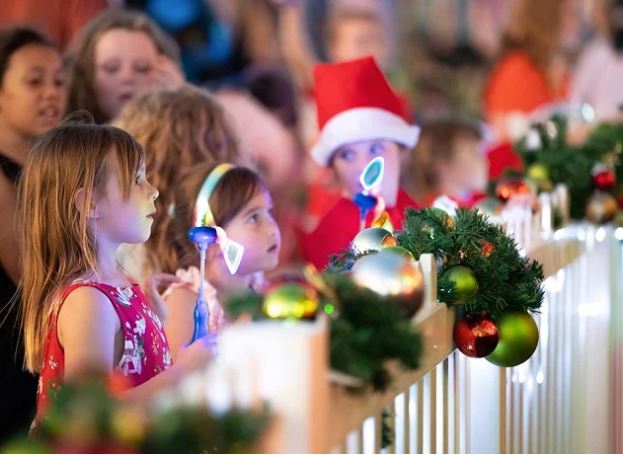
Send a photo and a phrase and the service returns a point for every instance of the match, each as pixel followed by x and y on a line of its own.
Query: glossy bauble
pixel 464 282
pixel 393 276
pixel 601 207
pixel 291 300
pixel 518 339
pixel 476 335
pixel 372 239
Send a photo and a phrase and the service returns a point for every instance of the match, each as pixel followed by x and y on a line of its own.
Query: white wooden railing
pixel 567 398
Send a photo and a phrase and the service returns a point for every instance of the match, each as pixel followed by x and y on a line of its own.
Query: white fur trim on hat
pixel 362 124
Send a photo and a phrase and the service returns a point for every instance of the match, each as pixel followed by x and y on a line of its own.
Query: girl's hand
pixel 197 354
pixel 152 284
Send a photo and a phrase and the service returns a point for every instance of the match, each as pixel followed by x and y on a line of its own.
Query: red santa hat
pixel 355 103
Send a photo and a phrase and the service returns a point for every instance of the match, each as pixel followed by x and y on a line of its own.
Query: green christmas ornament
pixel 372 239
pixel 291 300
pixel 539 174
pixel 538 171
pixel 518 339
pixel 465 284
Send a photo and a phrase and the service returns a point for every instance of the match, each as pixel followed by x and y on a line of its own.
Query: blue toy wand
pixel 370 178
pixel 202 236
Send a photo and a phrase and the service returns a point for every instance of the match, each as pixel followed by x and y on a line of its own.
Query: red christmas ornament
pixel 476 335
pixel 509 188
pixel 604 180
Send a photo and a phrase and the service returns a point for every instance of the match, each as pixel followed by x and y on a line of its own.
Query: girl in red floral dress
pixel 84 193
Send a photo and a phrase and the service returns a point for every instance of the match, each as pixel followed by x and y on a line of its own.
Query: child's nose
pixel 154 192
pixel 272 229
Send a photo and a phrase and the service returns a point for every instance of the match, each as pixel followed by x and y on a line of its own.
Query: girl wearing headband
pixel 236 200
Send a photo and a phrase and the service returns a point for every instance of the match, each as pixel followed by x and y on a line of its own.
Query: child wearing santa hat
pixel 359 118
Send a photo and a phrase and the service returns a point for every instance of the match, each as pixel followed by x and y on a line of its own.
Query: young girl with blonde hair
pixel 178 128
pixel 235 199
pixel 83 193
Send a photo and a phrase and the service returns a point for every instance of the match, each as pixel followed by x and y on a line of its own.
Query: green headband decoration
pixel 203 213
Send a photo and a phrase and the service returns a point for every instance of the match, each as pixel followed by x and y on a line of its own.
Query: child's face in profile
pixel 255 228
pixel 125 220
pixel 349 160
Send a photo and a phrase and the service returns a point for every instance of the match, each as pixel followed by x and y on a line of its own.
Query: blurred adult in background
pixel 529 72
pixel 32 100
pixel 598 75
pixel 116 55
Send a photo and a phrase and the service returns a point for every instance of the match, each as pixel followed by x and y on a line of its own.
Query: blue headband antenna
pixel 370 179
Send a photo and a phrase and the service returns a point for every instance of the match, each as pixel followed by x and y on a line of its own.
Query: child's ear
pixel 79 203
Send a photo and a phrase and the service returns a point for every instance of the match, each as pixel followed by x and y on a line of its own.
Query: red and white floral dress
pixel 146 349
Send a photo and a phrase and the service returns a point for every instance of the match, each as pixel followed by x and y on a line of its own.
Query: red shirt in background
pixel 57 19
pixel 340 225
pixel 518 84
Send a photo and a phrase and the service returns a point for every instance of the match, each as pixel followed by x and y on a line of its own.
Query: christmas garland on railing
pixel 366 329
pixel 481 270
pixel 86 418
pixel 590 170
pixel 478 264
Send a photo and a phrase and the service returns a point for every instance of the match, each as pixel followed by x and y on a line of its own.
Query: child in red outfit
pixel 360 118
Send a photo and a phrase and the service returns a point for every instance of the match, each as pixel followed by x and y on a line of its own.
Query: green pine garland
pixel 366 331
pixel 85 418
pixel 570 164
pixel 506 280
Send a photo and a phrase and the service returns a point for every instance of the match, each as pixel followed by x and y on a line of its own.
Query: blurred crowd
pixel 205 81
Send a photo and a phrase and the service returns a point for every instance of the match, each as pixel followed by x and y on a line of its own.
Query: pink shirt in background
pixel 598 79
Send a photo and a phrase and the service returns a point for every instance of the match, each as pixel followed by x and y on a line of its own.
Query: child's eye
pixel 111 68
pixel 142 68
pixel 346 154
pixel 254 218
pixel 138 179
pixel 59 81
pixel 376 149
pixel 34 81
